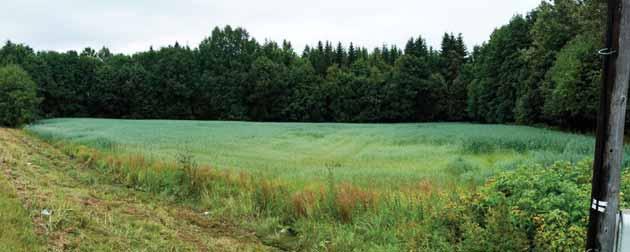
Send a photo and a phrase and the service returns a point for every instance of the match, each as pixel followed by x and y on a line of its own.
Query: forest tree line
pixel 539 68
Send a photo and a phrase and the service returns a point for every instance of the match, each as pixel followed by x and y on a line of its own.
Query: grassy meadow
pixel 354 187
pixel 386 155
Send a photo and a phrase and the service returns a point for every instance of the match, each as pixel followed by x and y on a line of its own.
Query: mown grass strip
pixel 85 211
pixel 16 227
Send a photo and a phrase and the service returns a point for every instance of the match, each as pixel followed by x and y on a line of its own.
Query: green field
pixel 354 187
pixel 367 154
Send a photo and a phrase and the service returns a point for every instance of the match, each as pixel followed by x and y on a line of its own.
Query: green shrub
pixel 500 232
pixel 554 233
pixel 18 97
pixel 550 204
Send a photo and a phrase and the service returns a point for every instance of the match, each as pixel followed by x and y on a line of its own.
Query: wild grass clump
pixel 270 198
pixel 57 217
pixel 464 170
pixel 485 145
pixel 182 180
pixel 339 202
pixel 351 200
pixel 478 146
pixel 192 180
pixel 102 143
pixel 305 203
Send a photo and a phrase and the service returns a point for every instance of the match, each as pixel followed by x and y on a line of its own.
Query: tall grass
pixel 376 155
pixel 338 216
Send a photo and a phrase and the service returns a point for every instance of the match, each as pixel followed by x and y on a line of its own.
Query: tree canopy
pixel 538 68
pixel 18 96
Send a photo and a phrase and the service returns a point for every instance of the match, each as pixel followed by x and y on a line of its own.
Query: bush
pixel 549 204
pixel 18 97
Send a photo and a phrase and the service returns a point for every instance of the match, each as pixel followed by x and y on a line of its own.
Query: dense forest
pixel 540 68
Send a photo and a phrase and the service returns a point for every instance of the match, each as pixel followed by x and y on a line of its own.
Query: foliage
pixel 548 203
pixel 18 97
pixel 574 84
pixel 541 68
pixel 498 69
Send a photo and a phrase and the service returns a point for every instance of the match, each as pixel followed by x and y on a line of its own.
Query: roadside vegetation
pixel 52 201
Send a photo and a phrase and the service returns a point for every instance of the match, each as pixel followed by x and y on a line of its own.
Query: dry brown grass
pixel 421 191
pixel 304 203
pixel 350 199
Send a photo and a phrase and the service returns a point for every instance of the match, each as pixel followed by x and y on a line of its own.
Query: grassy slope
pixel 91 214
pixel 367 154
pixel 17 233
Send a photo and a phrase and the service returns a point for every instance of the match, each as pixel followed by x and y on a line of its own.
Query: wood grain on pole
pixel 614 146
pixel 607 167
pixel 612 151
pixel 600 173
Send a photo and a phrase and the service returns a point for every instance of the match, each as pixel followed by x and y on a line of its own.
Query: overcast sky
pixel 134 25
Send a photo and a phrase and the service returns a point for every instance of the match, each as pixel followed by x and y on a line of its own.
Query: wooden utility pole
pixel 604 211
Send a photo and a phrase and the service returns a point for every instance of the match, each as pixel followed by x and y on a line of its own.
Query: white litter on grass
pixel 46 212
pixel 28 163
pixel 206 213
pixel 288 231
